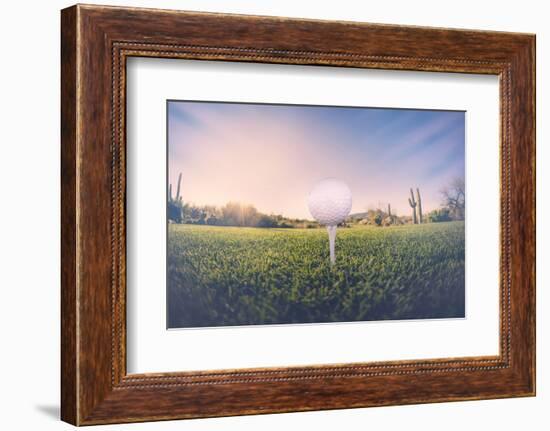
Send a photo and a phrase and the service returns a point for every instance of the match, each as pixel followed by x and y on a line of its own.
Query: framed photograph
pixel 264 215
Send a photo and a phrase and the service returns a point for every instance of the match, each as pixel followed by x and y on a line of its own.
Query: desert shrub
pixel 440 215
pixel 175 213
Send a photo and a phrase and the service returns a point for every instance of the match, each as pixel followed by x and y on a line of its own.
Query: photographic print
pixel 294 214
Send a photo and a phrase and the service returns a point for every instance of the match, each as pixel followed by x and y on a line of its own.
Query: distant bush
pixel 377 217
pixel 440 215
pixel 267 221
pixel 175 211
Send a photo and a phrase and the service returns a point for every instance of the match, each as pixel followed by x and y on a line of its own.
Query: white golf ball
pixel 330 201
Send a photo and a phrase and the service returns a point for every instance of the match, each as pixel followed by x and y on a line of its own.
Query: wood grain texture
pixel 96 41
pixel 69 397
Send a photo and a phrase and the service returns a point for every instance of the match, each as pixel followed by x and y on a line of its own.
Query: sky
pixel 271 156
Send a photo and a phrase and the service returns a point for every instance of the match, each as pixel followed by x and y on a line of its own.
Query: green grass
pixel 219 276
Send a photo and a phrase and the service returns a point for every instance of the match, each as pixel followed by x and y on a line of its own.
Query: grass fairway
pixel 221 276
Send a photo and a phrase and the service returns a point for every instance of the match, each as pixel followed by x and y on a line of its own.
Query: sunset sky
pixel 271 156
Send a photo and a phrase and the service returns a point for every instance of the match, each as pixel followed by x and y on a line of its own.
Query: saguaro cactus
pixel 419 203
pixel 175 205
pixel 412 203
pixel 178 197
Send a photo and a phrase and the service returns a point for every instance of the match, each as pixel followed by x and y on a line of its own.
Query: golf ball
pixel 329 201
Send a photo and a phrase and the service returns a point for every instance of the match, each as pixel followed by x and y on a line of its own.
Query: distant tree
pixel 265 220
pixel 237 214
pixel 250 216
pixel 174 211
pixel 440 215
pixel 231 214
pixel 196 213
pixel 454 198
pixel 212 221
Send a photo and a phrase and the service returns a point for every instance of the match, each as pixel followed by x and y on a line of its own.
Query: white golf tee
pixel 332 241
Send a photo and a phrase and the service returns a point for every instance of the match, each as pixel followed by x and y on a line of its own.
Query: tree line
pixel 231 214
pixel 245 215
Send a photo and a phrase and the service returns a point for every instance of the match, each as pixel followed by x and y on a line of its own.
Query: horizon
pixel 270 156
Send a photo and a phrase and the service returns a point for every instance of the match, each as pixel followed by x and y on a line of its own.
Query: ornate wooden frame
pixel 96 41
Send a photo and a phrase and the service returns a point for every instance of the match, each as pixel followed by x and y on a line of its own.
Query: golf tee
pixel 332 240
